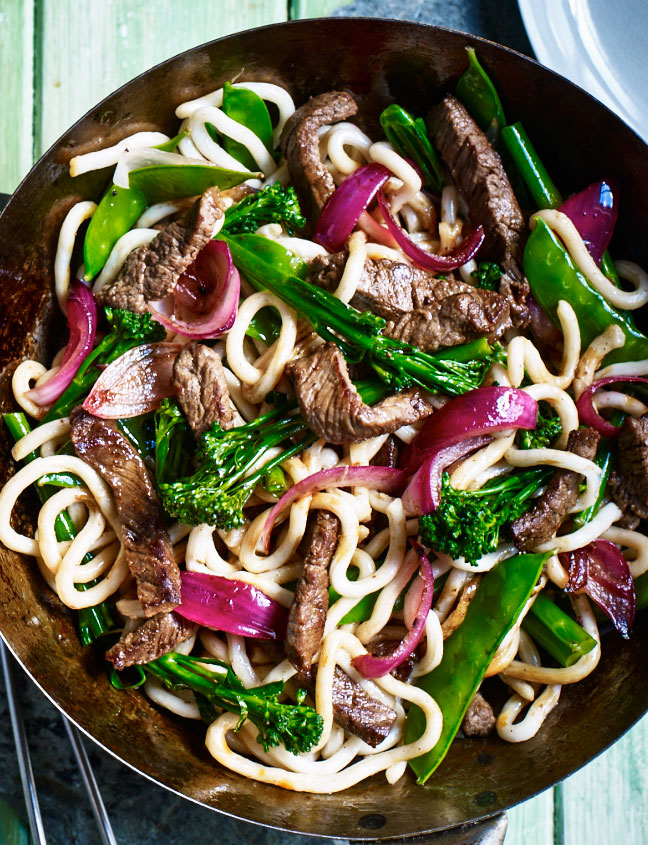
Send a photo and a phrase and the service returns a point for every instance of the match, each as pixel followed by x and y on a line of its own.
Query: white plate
pixel 598 44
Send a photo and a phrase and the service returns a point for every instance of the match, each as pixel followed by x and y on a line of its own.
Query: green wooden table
pixel 57 59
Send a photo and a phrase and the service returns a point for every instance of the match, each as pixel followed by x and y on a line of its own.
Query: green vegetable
pixel 546 431
pixel 535 175
pixel 171 145
pixel 468 523
pixel 479 96
pixel 116 213
pixel 641 591
pixel 297 727
pixel 224 480
pixel 556 632
pixel 553 276
pixel 93 621
pixel 273 204
pixel 358 334
pixel 247 108
pixel 162 182
pixel 274 482
pixel 126 330
pixel 265 325
pixel 409 137
pixel 467 653
pixel 487 275
pixel 605 460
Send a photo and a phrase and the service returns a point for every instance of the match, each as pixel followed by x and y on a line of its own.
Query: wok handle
pixel 490 831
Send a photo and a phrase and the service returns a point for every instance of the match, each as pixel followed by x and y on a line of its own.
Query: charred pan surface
pixel 300 145
pixel 333 408
pixel 359 713
pixel 629 484
pixel 157 636
pixel 421 309
pixel 151 272
pixel 479 175
pixel 307 616
pixel 199 380
pixel 542 522
pixel 147 545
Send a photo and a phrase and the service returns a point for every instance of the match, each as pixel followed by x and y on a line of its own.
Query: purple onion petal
pixel 594 213
pixel 588 414
pixel 385 479
pixel 376 667
pixel 600 570
pixel 226 604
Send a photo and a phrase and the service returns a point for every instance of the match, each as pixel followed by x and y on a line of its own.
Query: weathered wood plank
pixel 16 60
pixel 83 60
pixel 314 8
pixel 531 823
pixel 605 801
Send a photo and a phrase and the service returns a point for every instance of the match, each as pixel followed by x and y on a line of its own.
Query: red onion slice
pixel 594 213
pixel 346 204
pixel 423 493
pixel 481 411
pixel 601 571
pixel 384 479
pixel 135 383
pixel 204 302
pixel 436 263
pixel 226 604
pixel 587 412
pixel 375 667
pixel 82 322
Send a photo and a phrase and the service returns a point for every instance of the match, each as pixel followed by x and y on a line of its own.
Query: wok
pixel 580 141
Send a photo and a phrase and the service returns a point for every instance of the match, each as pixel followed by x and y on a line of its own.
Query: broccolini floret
pixel 274 204
pixel 487 275
pixel 229 463
pixel 468 523
pixel 546 431
pixel 297 727
pixel 125 330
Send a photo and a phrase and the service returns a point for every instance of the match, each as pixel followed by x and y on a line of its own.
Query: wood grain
pixel 314 8
pixel 16 102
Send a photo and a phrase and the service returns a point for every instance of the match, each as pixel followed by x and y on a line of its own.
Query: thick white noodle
pixel 342 135
pixel 383 153
pixel 568 233
pixel 523 355
pixel 563 460
pixel 67 236
pixel 110 155
pixel 157 212
pixel 24 374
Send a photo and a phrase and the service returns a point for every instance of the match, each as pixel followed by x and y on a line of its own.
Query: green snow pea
pixel 409 137
pixel 247 108
pixel 553 276
pixel 117 212
pixel 478 94
pixel 555 631
pixel 468 652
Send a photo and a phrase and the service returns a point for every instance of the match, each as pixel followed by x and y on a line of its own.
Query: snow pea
pixel 117 212
pixel 247 108
pixel 409 137
pixel 555 631
pixel 468 652
pixel 478 94
pixel 553 276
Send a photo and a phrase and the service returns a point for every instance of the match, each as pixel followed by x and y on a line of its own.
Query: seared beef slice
pixel 151 272
pixel 332 406
pixel 307 616
pixel 420 309
pixel 147 546
pixel 300 145
pixel 629 484
pixel 199 380
pixel 482 181
pixel 541 523
pixel 157 636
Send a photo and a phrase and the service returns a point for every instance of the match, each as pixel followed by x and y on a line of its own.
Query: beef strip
pixel 307 615
pixel 629 482
pixel 333 408
pixel 542 521
pixel 420 308
pixel 358 713
pixel 146 541
pixel 388 454
pixel 479 719
pixel 151 271
pixel 157 636
pixel 199 380
pixel 300 145
pixel 478 172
